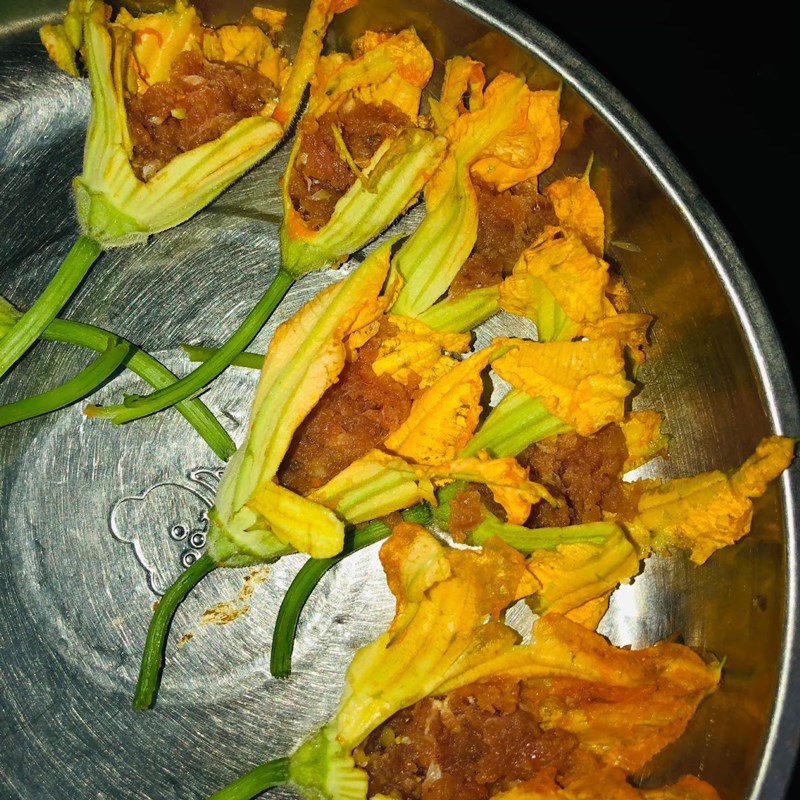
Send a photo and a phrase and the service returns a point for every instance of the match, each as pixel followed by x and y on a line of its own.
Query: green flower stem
pixel 76 388
pixel 30 325
pixel 200 354
pixel 258 780
pixel 197 380
pixel 153 655
pixel 310 574
pixel 526 540
pixel 149 369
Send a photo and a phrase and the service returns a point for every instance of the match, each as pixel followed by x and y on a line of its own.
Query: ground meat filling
pixel 353 416
pixel 468 745
pixel 583 471
pixel 321 176
pixel 200 101
pixel 466 512
pixel 508 223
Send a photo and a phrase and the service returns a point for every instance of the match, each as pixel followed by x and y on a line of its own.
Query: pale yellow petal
pixel 709 511
pixel 63 41
pixel 247 45
pixel 557 276
pixel 463 77
pixel 307 526
pixel 629 329
pixel 527 147
pixel 573 575
pixel 158 39
pixel 385 66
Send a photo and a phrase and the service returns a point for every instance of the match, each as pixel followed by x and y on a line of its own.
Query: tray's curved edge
pixel 782 737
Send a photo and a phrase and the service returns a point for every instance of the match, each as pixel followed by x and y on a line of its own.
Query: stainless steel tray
pixel 95 519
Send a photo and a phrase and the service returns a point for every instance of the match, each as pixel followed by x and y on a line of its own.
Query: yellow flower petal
pixel 558 284
pixel 582 383
pixel 463 77
pixel 527 147
pixel 384 66
pixel 578 208
pixel 573 575
pixel 250 46
pixel 63 41
pixel 443 599
pixel 415 354
pixel 643 437
pixel 590 613
pixel 444 416
pixel 307 526
pixel 622 705
pixel 709 511
pixel 159 38
pixel 273 17
pixel 771 457
pixel 629 329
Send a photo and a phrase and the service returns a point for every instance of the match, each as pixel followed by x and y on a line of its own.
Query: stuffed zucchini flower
pixel 180 110
pixel 359 160
pixel 361 155
pixel 254 519
pixel 500 136
pixel 448 663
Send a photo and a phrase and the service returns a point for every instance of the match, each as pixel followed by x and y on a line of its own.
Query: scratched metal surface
pixel 95 520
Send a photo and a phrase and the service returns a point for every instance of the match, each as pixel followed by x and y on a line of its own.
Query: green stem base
pixel 197 380
pixel 30 325
pixel 157 633
pixel 88 380
pixel 258 780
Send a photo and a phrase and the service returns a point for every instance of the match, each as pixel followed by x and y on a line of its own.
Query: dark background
pixel 719 83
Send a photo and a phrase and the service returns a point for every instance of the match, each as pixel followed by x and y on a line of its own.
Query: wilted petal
pixel 709 511
pixel 582 383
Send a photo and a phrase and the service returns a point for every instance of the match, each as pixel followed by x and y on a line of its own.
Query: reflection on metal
pixel 76 605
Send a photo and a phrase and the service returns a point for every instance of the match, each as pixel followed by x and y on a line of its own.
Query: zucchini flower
pixel 617 707
pixel 179 111
pixel 359 160
pixel 508 134
pixel 361 156
pixel 426 449
pixel 255 520
pixel 711 510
